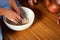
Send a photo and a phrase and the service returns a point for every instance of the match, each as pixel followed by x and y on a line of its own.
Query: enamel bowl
pixel 29 14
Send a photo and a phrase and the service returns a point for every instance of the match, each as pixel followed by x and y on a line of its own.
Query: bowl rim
pixel 21 25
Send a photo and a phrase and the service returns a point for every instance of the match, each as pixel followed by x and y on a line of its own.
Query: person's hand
pixel 14 6
pixel 31 2
pixel 52 6
pixel 13 16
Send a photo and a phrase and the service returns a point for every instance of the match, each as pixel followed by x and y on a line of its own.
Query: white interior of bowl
pixel 30 15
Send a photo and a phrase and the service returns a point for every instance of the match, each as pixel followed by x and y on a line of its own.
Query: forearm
pixel 2 10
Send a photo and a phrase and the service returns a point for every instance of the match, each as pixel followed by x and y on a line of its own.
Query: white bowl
pixel 30 15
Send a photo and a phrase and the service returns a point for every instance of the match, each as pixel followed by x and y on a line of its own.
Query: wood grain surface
pixel 43 28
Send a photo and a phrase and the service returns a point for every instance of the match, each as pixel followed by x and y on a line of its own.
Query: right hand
pixel 13 16
pixel 52 6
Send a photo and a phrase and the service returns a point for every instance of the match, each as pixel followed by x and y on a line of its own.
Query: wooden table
pixel 43 28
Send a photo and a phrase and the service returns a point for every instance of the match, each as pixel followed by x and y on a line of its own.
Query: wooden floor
pixel 43 28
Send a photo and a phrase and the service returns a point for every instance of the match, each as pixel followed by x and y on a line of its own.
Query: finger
pixel 35 1
pixel 14 20
pixel 19 21
pixel 58 22
pixel 30 2
pixel 19 17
